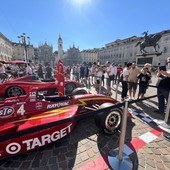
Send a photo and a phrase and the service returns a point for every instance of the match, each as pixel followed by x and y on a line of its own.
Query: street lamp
pixel 25 41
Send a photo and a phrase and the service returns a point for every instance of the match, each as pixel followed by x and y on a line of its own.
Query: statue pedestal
pixel 147 54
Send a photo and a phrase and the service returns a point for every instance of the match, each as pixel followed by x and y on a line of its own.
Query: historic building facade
pixel 122 51
pixel 23 52
pixel 5 48
pixel 89 56
pixel 72 56
pixel 46 55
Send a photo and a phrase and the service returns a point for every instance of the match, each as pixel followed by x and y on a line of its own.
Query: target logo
pixel 13 148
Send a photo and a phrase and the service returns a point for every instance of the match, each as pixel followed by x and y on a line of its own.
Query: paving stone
pixel 156 158
pixel 35 163
pixel 90 153
pixel 142 162
pixel 25 165
pixel 150 162
pixel 156 151
pixel 159 165
pixel 82 148
pixel 44 162
pixel 164 151
pixel 167 165
pixel 62 165
pixel 165 158
pixel 84 156
pixel 140 168
pixel 52 160
pixel 53 167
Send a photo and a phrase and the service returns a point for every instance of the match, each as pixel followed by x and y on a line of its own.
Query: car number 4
pixel 21 110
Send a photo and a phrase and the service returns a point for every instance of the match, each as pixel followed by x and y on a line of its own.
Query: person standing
pixel 2 68
pixel 163 86
pixel 133 79
pixel 29 70
pixel 125 73
pixel 109 77
pixel 114 73
pixel 144 78
pixel 40 71
pixel 49 71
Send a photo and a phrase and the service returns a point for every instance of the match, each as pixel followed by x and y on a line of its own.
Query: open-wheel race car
pixel 25 120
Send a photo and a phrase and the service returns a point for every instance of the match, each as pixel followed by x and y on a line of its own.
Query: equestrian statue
pixel 149 40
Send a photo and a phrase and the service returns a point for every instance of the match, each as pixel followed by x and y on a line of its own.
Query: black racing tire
pixel 69 87
pixel 109 122
pixel 14 91
pixel 79 91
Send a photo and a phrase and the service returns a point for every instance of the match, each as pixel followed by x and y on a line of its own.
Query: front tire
pixel 109 122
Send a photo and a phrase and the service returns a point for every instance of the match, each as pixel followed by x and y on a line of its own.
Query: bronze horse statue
pixel 149 40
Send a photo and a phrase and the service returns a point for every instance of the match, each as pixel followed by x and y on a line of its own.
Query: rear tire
pixel 78 91
pixel 109 122
pixel 69 87
pixel 14 91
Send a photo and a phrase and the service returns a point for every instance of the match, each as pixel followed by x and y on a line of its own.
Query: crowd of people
pixel 106 75
pixel 17 70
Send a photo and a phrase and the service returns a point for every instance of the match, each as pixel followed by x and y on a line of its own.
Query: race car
pixel 22 118
pixel 33 120
pixel 22 85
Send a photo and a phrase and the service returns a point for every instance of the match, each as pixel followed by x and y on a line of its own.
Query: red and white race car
pixel 32 120
pixel 22 85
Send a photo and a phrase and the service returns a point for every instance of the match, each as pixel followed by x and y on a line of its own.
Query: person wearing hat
pixel 163 86
pixel 144 78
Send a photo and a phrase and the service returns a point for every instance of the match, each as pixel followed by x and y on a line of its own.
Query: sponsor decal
pixel 32 100
pixel 6 111
pixel 13 148
pixel 33 143
pixel 32 94
pixel 56 105
pixel 11 101
pixel 21 103
pixel 38 105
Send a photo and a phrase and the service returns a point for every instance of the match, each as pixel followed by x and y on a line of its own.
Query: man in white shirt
pixel 29 69
pixel 126 73
pixel 109 77
pixel 114 72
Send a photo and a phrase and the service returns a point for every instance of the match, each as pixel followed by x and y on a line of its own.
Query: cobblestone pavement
pixel 87 143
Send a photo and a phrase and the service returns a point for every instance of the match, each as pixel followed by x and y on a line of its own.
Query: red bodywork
pixel 27 111
pixel 27 82
pixel 31 111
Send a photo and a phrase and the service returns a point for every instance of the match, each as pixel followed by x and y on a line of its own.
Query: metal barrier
pixel 117 159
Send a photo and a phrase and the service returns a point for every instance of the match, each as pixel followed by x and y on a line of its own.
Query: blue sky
pixel 86 23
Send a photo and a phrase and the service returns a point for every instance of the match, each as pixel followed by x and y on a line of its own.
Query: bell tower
pixel 60 47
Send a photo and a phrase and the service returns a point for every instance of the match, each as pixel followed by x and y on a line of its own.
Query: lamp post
pixel 25 41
